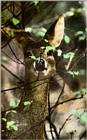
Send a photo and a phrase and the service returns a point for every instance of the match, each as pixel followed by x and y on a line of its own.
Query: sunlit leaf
pixel 13 102
pixel 79 10
pixel 40 34
pixel 74 73
pixel 42 47
pixel 84 90
pixel 80 92
pixel 15 21
pixel 86 29
pixel 83 118
pixel 77 112
pixel 49 48
pixel 27 103
pixel 82 37
pixel 14 127
pixel 67 39
pixel 77 93
pixel 33 57
pixel 35 1
pixel 69 13
pixel 46 40
pixel 68 55
pixel 4 119
pixel 28 29
pixel 11 125
pixel 79 33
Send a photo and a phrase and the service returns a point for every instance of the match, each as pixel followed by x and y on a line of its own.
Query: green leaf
pixel 77 112
pixel 40 34
pixel 33 57
pixel 28 29
pixel 67 39
pixel 9 124
pixel 28 103
pixel 79 33
pixel 73 73
pixel 35 1
pixel 46 40
pixel 82 37
pixel 83 118
pixel 85 29
pixel 13 103
pixel 15 21
pixel 76 73
pixel 68 55
pixel 69 13
pixel 49 48
pixel 4 119
pixel 14 127
pixel 42 47
pixel 79 10
pixel 84 90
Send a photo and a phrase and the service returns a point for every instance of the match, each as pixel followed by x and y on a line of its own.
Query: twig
pixel 11 58
pixel 14 54
pixel 3 46
pixel 84 134
pixel 64 124
pixel 65 101
pixel 12 73
pixel 49 115
pixel 29 83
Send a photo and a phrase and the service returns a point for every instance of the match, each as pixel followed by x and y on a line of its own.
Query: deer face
pixel 40 55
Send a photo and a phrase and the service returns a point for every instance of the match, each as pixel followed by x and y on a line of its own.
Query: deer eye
pixel 40 65
pixel 50 53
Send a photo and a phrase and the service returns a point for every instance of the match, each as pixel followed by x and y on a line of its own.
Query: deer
pixel 40 77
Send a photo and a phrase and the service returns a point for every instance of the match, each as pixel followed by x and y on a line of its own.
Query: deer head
pixel 41 53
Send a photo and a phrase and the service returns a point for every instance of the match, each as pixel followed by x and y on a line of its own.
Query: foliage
pixel 15 21
pixel 73 73
pixel 68 55
pixel 80 92
pixel 10 125
pixel 81 35
pixel 9 32
pixel 35 1
pixel 33 57
pixel 28 102
pixel 81 114
pixel 66 39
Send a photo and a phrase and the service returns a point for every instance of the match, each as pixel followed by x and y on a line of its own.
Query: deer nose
pixel 40 64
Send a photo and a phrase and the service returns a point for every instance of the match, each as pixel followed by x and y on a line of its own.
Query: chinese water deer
pixel 41 78
pixel 39 73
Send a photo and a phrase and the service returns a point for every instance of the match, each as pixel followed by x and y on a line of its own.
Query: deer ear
pixel 58 32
